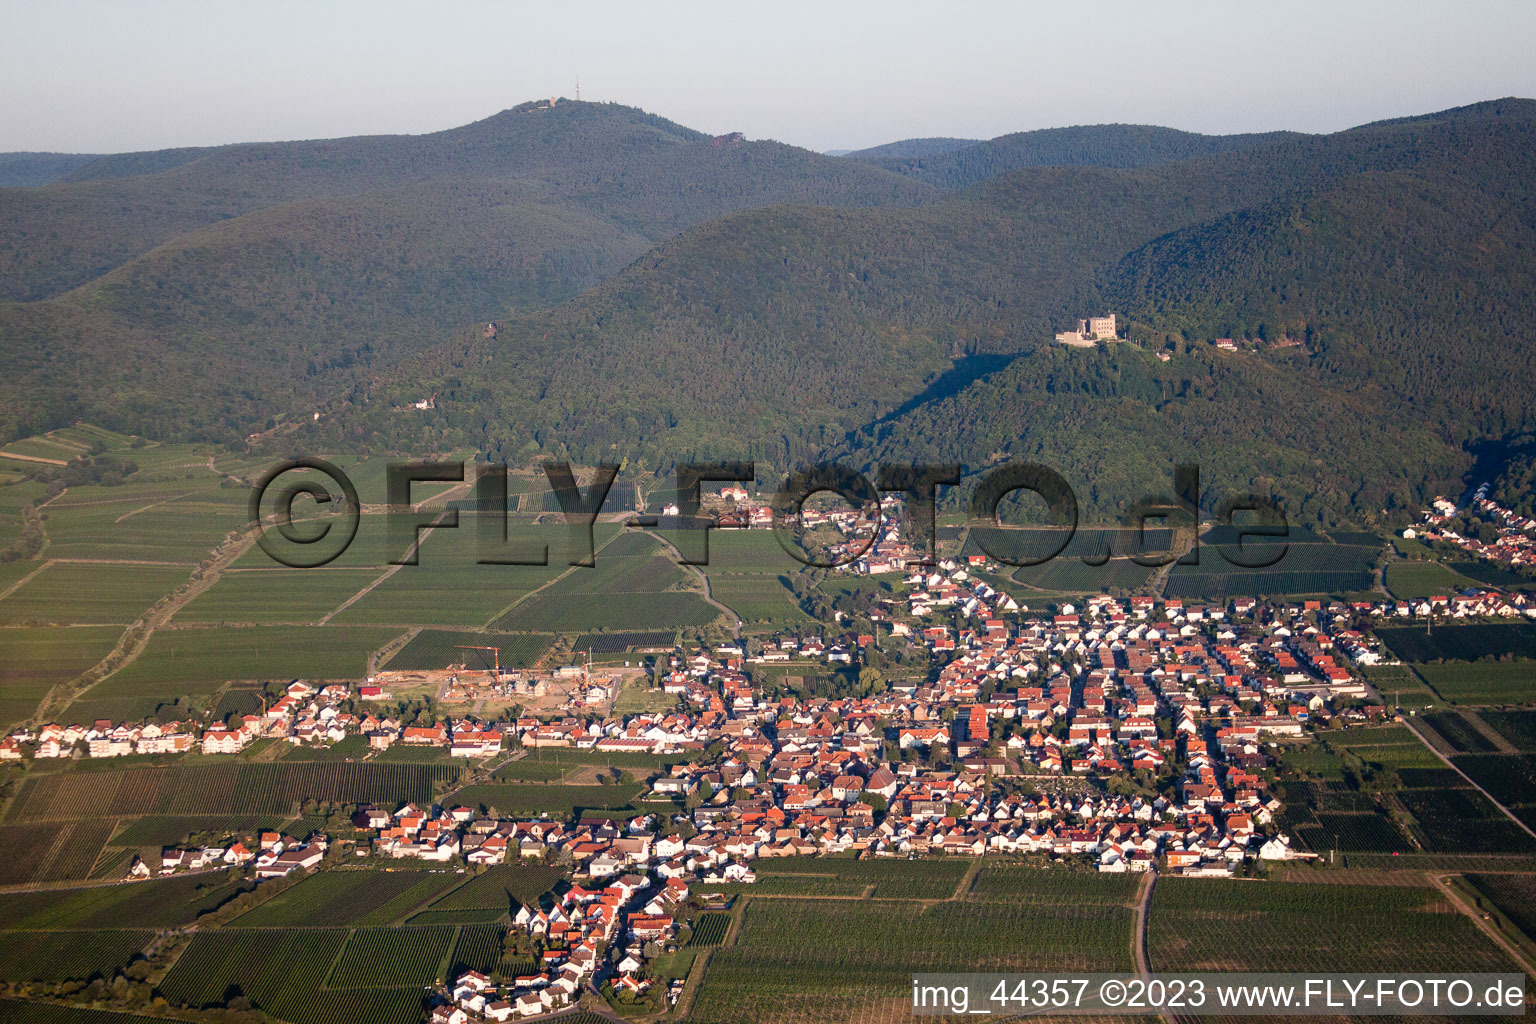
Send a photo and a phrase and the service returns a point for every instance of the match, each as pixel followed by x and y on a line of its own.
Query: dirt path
pixel 153 504
pixel 1139 940
pixel 134 639
pixel 33 458
pixel 8 591
pixel 1460 903
pixel 1413 724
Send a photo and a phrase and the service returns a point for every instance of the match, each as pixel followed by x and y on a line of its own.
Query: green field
pixel 1484 682
pixel 44 853
pixel 155 903
pixel 531 798
pixel 218 789
pixel 436 649
pixel 285 595
pixel 633 585
pixel 63 956
pixel 349 898
pixel 200 660
pixel 1461 643
pixel 500 888
pixel 392 957
pixel 67 592
pixel 33 659
pixel 1407 580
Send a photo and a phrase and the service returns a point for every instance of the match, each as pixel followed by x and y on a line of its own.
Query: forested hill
pixel 18 170
pixel 909 148
pixel 1100 145
pixel 263 277
pixel 792 333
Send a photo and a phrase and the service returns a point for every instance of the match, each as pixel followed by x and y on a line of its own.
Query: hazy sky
pixel 110 76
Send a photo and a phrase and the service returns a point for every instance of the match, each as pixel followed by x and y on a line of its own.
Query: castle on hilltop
pixel 1090 332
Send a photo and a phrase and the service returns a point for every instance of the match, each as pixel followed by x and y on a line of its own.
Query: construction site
pixel 482 682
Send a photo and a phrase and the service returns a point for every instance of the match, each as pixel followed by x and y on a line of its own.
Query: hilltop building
pixel 1090 332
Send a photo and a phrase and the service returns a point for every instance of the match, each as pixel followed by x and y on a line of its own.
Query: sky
pixel 110 76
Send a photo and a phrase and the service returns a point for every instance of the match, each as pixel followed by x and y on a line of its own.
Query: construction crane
pixel 495 653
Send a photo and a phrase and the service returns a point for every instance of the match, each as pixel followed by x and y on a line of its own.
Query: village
pixel 1514 540
pixel 1129 734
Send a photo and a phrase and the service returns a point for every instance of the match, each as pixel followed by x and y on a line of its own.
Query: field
pixel 1310 565
pixel 349 898
pixel 1460 730
pixel 1513 895
pixel 63 956
pixel 1408 580
pixel 276 595
pixel 166 830
pixel 66 592
pixel 283 973
pixel 199 660
pixel 1070 575
pixel 531 798
pixel 391 957
pixel 233 788
pixel 54 1013
pixel 1509 778
pixel 45 853
pixel 1461 643
pixel 435 649
pixel 806 959
pixel 34 659
pixel 477 948
pixel 1517 727
pixel 1203 924
pixel 449 588
pixel 634 585
pixel 886 879
pixel 499 888
pixel 619 643
pixel 155 903
pixel 758 598
pixel 1484 682
pixel 709 929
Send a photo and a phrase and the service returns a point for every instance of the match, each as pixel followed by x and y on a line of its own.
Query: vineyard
pixel 282 974
pixel 619 643
pixel 499 888
pixel 1462 643
pixel 1028 883
pixel 236 788
pixel 1509 778
pixel 1460 732
pixel 1517 727
pixel 798 960
pixel 1513 895
pixel 891 879
pixel 349 898
pixel 66 956
pixel 433 649
pixel 1481 682
pixel 534 799
pixel 1202 924
pixel 710 929
pixel 478 948
pixel 47 853
pixel 392 957
pixel 160 903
